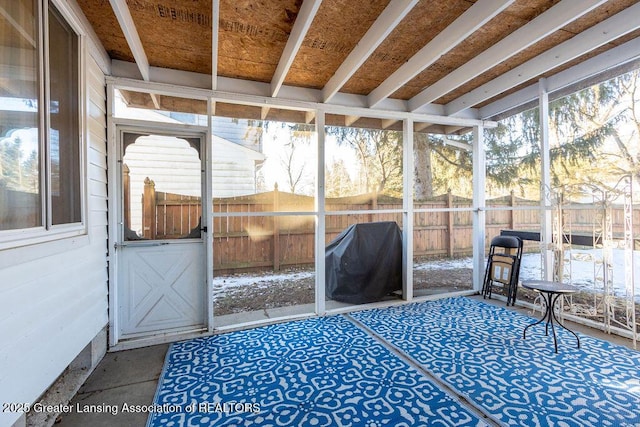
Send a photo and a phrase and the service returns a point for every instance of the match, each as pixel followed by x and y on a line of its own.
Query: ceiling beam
pixel 309 116
pixel 215 24
pixel 377 33
pixel 387 123
pixel 155 98
pixel 543 25
pixel 349 120
pixel 178 83
pixel 418 126
pixel 626 56
pixel 304 19
pixel 596 36
pixel 458 144
pixel 123 15
pixel 467 23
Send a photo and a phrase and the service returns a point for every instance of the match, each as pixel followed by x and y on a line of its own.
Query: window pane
pixel 363 173
pixel 263 163
pixel 162 191
pixel 64 139
pixel 20 201
pixel 363 161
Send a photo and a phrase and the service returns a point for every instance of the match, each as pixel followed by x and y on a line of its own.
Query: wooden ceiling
pixel 457 58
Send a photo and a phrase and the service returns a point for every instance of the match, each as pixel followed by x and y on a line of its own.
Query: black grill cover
pixel 364 263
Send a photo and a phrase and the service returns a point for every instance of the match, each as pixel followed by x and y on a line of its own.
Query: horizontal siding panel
pixel 98 233
pixel 95 74
pixel 95 113
pixel 59 306
pixel 97 136
pixel 98 218
pixel 97 188
pixel 98 204
pixel 22 274
pixel 97 158
pixel 98 173
pixel 97 95
pixel 58 340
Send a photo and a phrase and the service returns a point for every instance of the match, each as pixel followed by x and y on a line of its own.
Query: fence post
pixel 276 229
pixel 149 209
pixel 374 205
pixel 512 221
pixel 450 224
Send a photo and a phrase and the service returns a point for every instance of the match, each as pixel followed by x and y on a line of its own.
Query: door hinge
pixel 204 229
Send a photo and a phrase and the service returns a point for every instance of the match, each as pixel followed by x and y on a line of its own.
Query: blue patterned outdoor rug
pixel 316 372
pixel 478 350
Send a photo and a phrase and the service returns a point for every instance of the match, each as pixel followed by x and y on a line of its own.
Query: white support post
pixel 479 214
pixel 207 213
pixel 407 208
pixel 114 217
pixel 320 217
pixel 545 183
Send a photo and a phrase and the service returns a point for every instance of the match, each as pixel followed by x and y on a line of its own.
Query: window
pixel 40 147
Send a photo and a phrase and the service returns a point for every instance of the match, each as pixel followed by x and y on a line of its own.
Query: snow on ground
pixel 224 284
pixel 583 272
pixel 585 267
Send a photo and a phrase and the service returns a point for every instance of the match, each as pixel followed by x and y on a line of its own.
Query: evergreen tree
pixel 338 181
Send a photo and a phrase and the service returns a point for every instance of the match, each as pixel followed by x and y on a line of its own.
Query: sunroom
pixel 174 170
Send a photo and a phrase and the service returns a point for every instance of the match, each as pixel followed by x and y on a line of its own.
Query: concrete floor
pixel 131 377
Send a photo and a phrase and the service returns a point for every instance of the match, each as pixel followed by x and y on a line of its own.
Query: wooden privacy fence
pixel 167 215
pixel 252 242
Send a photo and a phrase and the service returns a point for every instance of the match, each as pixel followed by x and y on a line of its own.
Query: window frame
pixel 47 231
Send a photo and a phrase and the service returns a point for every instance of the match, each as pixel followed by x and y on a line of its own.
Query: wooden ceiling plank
pixel 377 33
pixel 123 15
pixel 300 28
pixel 543 25
pixel 475 17
pixel 590 39
pixel 215 26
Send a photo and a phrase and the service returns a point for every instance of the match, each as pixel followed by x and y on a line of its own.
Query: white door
pixel 161 249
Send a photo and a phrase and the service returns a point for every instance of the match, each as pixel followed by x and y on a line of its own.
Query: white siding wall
pixel 53 296
pixel 234 168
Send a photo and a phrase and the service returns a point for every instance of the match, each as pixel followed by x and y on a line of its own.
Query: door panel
pixel 162 289
pixel 161 250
